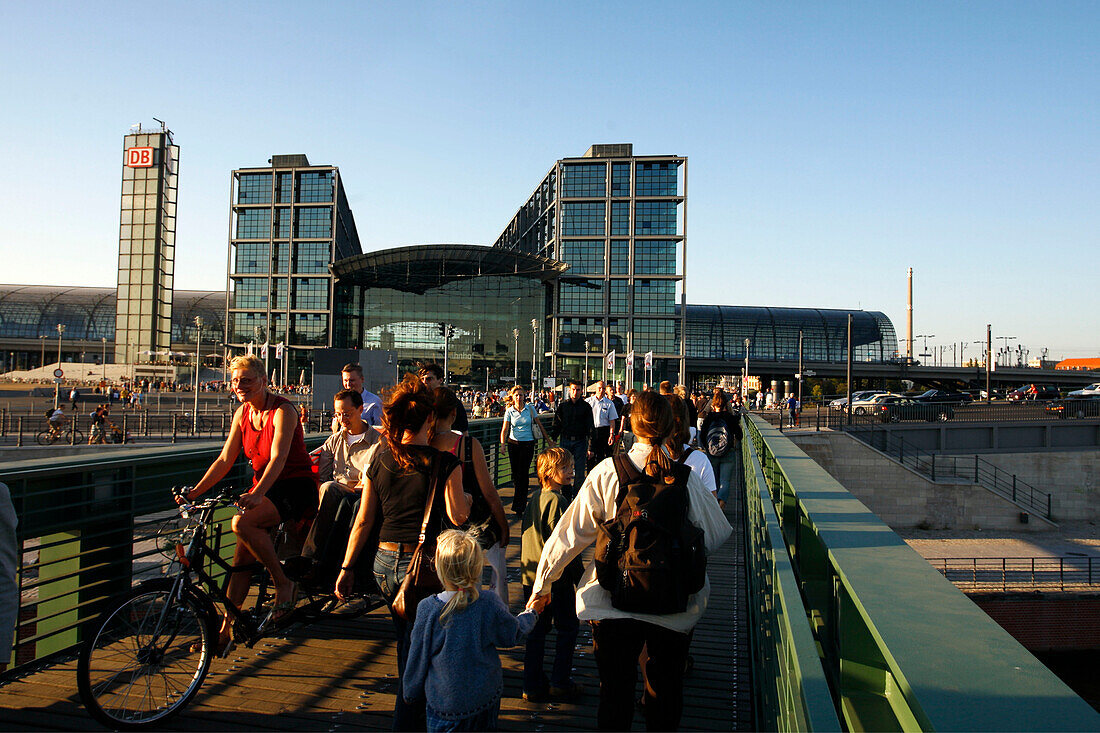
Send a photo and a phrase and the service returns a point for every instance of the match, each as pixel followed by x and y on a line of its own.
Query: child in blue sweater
pixel 453 659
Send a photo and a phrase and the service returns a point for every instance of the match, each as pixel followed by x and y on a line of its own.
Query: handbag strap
pixel 433 467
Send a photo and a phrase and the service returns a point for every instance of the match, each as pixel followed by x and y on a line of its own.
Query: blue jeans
pixel 562 612
pixel 485 720
pixel 726 471
pixel 389 571
pixel 579 450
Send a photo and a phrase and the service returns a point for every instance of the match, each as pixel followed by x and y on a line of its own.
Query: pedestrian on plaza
pixel 517 440
pixel 74 395
pixel 604 420
pixel 547 505
pixel 431 374
pixel 572 426
pixel 396 486
pixel 720 438
pixel 618 635
pixel 793 409
pixel 454 667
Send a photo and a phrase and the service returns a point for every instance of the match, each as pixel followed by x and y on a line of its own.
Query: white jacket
pixel 578 528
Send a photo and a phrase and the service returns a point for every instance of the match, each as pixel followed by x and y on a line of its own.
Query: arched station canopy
pixel 418 269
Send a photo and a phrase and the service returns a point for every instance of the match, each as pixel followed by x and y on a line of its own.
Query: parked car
pixel 866 403
pixel 894 408
pixel 997 394
pixel 1077 407
pixel 842 403
pixel 945 395
pixel 1092 389
pixel 1034 392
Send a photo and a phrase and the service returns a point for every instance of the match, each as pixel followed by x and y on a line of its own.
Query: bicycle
pixel 149 652
pixel 66 434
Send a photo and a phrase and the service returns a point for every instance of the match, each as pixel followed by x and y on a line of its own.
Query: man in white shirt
pixel 604 418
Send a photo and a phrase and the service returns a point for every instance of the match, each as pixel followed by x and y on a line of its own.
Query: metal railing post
pixel 1048 506
pixel 975 469
pixel 174 416
pixel 19 435
pixel 933 467
pixel 125 419
pixel 1013 487
pixel 3 421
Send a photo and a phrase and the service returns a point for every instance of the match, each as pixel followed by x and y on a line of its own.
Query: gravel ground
pixel 1071 538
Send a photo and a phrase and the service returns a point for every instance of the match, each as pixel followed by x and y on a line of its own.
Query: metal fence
pixel 1027 411
pixel 1020 574
pixel 90 527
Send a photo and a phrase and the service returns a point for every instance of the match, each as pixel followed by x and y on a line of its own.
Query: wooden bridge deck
pixel 341 675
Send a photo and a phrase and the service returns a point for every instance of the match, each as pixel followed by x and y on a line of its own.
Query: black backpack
pixel 650 557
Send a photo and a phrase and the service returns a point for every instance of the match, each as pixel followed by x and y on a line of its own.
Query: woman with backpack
pixel 720 438
pixel 647 482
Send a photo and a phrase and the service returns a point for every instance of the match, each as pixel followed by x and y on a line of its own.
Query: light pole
pixel 1006 350
pixel 515 353
pixel 198 345
pixel 745 381
pixel 42 358
pixel 800 366
pixel 534 353
pixel 585 377
pixel 924 350
pixel 104 340
pixel 57 383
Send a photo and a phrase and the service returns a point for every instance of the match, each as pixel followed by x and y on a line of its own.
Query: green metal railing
pixel 899 646
pixel 91 526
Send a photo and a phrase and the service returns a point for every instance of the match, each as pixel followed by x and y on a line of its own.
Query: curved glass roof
pixel 417 269
pixel 30 311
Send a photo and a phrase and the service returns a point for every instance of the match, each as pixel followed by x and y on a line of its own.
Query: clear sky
pixel 831 145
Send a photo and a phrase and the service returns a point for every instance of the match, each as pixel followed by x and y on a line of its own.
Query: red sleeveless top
pixel 257 445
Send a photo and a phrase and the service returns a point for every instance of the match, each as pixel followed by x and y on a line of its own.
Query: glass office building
pixel 476 303
pixel 618 221
pixel 289 222
pixel 146 246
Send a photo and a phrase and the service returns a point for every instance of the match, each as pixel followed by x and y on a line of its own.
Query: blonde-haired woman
pixel 284 487
pixel 517 439
pixel 453 661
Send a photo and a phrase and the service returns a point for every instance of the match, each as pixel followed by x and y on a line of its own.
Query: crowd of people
pixel 402 478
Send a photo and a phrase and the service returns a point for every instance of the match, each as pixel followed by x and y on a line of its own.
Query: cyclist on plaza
pixel 284 487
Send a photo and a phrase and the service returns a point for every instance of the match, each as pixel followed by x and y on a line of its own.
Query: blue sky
pixel 831 145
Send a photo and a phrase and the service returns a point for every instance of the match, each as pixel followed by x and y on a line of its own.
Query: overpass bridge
pixel 822 618
pixel 874 372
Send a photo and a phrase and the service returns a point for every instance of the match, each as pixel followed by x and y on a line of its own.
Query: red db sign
pixel 139 158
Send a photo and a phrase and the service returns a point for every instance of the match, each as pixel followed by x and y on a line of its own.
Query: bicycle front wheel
pixel 78 436
pixel 146 658
pixel 45 437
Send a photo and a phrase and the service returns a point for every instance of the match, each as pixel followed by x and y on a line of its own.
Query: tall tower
pixel 146 246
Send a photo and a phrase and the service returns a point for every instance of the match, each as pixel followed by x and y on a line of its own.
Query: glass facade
pixel 146 246
pixel 280 289
pixel 624 250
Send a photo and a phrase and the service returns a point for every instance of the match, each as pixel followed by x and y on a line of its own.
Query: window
pixel 309 329
pixel 619 290
pixel 655 296
pixel 616 338
pixel 278 301
pixel 585 256
pixel 242 326
pixel 587 179
pixel 655 334
pixel 253 223
pixel 311 293
pixel 620 257
pixel 311 257
pixel 620 179
pixel 250 293
pixel 283 194
pixel 314 223
pixel 620 217
pixel 582 220
pixel 252 257
pixel 280 253
pixel 654 257
pixel 655 217
pixel 314 186
pixel 655 179
pixel 574 332
pixel 254 188
pixel 583 297
pixel 282 222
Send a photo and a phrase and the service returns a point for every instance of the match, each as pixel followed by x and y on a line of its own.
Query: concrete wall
pixel 1047 623
pixel 903 498
pixel 1071 477
pixel 980 437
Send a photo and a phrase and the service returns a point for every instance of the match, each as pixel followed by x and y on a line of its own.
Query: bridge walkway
pixel 336 676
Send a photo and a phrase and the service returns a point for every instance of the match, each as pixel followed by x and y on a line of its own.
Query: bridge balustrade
pixel 897 646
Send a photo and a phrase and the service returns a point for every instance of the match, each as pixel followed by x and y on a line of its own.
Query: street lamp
pixel 534 353
pixel 42 358
pixel 515 353
pixel 57 383
pixel 585 377
pixel 104 340
pixel 745 381
pixel 198 345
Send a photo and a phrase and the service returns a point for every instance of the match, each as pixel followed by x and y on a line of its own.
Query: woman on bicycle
pixel 395 490
pixel 284 487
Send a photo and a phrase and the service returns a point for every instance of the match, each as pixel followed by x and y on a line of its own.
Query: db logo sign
pixel 139 158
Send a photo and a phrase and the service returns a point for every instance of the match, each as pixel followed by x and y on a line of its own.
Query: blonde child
pixel 545 508
pixel 453 661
